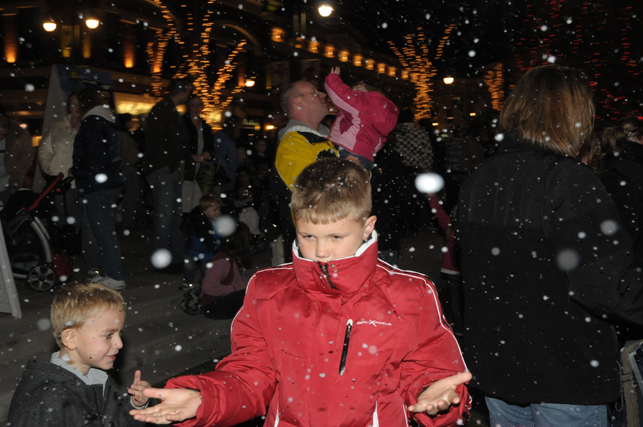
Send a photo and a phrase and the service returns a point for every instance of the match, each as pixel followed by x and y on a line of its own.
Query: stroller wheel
pixel 41 278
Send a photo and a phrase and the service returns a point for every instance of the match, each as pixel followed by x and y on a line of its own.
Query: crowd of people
pixel 542 255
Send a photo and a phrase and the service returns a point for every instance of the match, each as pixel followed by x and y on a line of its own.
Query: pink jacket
pixel 364 119
pixel 288 340
pixel 218 280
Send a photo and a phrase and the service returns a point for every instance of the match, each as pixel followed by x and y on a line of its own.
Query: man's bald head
pixel 287 95
pixel 303 102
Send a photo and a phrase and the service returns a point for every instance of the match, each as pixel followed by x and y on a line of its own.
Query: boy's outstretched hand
pixel 136 390
pixel 335 70
pixel 178 404
pixel 440 395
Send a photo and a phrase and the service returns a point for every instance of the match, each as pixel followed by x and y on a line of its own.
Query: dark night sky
pixel 490 28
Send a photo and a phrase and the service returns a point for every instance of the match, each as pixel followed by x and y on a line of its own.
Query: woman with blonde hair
pixel 545 263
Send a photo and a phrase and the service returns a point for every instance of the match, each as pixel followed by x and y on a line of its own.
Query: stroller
pixel 31 254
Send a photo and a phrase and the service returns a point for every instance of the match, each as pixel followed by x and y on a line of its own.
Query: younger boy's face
pixel 96 344
pixel 213 212
pixel 336 240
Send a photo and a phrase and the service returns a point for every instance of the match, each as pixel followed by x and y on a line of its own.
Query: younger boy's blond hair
pixel 78 302
pixel 330 190
pixel 208 200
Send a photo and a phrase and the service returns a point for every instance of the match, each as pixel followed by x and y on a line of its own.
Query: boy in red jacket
pixel 364 120
pixel 336 338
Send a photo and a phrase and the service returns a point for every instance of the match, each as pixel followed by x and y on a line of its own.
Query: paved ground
pixel 159 338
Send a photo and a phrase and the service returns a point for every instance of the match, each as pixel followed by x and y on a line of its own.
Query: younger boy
pixel 73 389
pixel 203 240
pixel 336 338
pixel 364 120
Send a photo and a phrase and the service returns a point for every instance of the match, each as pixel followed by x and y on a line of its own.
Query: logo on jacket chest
pixel 375 323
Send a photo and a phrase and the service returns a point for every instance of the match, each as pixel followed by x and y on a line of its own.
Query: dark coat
pixel 623 179
pixel 50 395
pixel 542 258
pixel 202 238
pixel 97 150
pixel 392 189
pixel 193 143
pixel 166 143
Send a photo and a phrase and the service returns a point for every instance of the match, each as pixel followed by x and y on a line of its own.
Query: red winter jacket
pixel 364 119
pixel 287 343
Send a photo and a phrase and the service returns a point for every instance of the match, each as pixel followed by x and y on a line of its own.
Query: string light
pixel 195 65
pixel 415 61
pixel 549 35
pixel 495 83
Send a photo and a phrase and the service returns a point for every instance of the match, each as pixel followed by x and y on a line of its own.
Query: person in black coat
pixel 545 263
pixel 98 170
pixel 200 136
pixel 201 146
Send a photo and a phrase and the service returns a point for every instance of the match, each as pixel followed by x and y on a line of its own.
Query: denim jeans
pixel 132 202
pixel 167 213
pixel 344 153
pixel 89 245
pixel 101 208
pixel 502 414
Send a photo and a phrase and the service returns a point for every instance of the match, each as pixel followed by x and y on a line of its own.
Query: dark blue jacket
pixel 97 153
pixel 203 240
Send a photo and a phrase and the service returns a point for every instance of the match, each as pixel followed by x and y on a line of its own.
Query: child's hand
pixel 335 70
pixel 136 390
pixel 178 404
pixel 440 395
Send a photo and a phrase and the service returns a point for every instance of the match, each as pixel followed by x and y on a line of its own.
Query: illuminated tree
pixel 197 60
pixel 421 69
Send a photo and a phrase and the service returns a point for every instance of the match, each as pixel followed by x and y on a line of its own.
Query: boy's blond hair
pixel 78 302
pixel 330 190
pixel 208 200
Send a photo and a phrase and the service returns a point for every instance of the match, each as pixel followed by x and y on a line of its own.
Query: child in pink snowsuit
pixel 364 120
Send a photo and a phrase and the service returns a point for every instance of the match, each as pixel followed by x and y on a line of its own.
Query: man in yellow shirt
pixel 301 142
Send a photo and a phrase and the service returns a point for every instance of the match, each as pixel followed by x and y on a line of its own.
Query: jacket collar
pixel 511 141
pixel 297 126
pixel 101 111
pixel 346 275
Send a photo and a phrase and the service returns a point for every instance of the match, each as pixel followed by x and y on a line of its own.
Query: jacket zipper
pixel 324 270
pixel 347 339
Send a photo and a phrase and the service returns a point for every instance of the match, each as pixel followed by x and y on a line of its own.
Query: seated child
pixel 336 337
pixel 364 120
pixel 224 284
pixel 203 240
pixel 73 388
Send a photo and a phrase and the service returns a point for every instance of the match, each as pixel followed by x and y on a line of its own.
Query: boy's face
pixel 339 239
pixel 213 212
pixel 96 344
